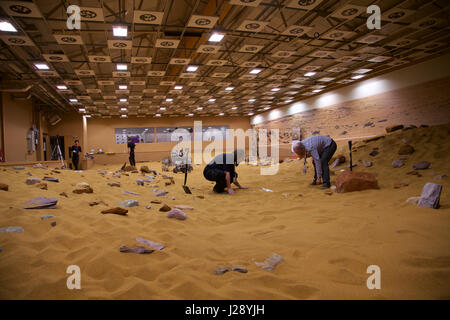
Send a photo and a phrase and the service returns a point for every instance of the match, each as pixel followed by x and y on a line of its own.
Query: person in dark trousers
pixel 321 149
pixel 131 146
pixel 222 170
pixel 76 150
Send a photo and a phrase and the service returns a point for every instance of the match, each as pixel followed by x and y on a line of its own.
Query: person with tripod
pixel 76 150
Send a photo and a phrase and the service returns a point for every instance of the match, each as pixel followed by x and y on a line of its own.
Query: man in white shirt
pixel 321 149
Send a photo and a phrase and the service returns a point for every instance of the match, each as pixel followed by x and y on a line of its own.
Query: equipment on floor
pixel 185 187
pixel 57 154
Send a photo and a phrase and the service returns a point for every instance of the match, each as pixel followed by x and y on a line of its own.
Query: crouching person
pixel 321 149
pixel 222 170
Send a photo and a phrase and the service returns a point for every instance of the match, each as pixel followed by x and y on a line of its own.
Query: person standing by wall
pixel 131 146
pixel 76 150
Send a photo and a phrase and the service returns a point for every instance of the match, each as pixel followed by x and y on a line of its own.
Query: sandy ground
pixel 327 241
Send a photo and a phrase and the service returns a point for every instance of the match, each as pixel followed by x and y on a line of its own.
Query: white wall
pixel 419 73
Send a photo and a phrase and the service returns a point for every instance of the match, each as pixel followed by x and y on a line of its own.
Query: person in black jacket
pixel 222 170
pixel 131 146
pixel 76 150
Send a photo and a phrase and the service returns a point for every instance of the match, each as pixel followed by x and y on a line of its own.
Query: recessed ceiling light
pixel 169 100
pixel 190 114
pixel 120 31
pixel 199 108
pixel 359 76
pixel 123 87
pixel 251 113
pixel 251 100
pixel 121 66
pixel 192 68
pixel 266 108
pixel 123 100
pixel 158 115
pixel 82 109
pixel 229 88
pixel 211 100
pixel 73 100
pixel 123 109
pixel 288 101
pixel 310 74
pixel 41 66
pixel 178 87
pixel 221 114
pixel 275 89
pixel 162 108
pixel 317 90
pixel 124 116
pixel 255 71
pixel 88 116
pixel 234 108
pixel 362 70
pixel 6 26
pixel 216 37
pixel 61 87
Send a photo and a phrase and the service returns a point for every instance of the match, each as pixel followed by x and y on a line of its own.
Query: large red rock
pixel 350 181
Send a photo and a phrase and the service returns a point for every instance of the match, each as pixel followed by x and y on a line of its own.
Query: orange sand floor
pixel 327 241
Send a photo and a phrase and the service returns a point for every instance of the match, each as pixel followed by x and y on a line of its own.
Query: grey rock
pixel 32 180
pixel 136 249
pixel 114 184
pixel 430 196
pixel 369 124
pixel 52 179
pixel 11 229
pixel 374 153
pixel 439 177
pixel 129 203
pixel 367 163
pixel 239 269
pixel 183 207
pixel 18 168
pixel 47 216
pixel 176 214
pixel 397 163
pixel 140 182
pixel 53 223
pixel 271 262
pixel 149 206
pixel 161 193
pixel 151 244
pixel 422 165
pixel 42 203
pixel 353 165
pixel 343 133
pixel 221 270
pixel 129 192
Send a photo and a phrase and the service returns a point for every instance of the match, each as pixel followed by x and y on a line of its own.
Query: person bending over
pixel 76 150
pixel 222 170
pixel 131 146
pixel 321 149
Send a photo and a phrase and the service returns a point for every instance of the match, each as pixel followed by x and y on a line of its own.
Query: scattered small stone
pixel 239 269
pixel 270 263
pixel 29 174
pixel 149 206
pixel 333 188
pixel 41 185
pixel 42 203
pixel 156 201
pixel 329 192
pixel 374 153
pixel 183 207
pixel 136 249
pixel 422 165
pixel 145 169
pixel 367 163
pixel 139 182
pixel 4 187
pixel 117 210
pixel 403 158
pixel 172 198
pixel 129 203
pixel 114 184
pixel 286 194
pixel 129 192
pixel 32 180
pixel 11 229
pixel 151 244
pixel 406 149
pixel 267 190
pixel 165 208
pixel 53 223
pixel 18 168
pixel 64 194
pixel 343 133
pixel 397 163
pixel 400 185
pixel 221 270
pixel 177 214
pixel 47 216
pixel 116 174
pixel 129 168
pixel 201 197
pixel 52 179
pixel 83 187
pixel 162 193
pixel 430 196
pixel 406 140
pixel 439 177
